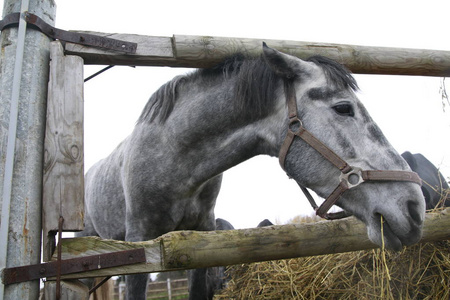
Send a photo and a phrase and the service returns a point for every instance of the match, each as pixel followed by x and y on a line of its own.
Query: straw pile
pixel 418 272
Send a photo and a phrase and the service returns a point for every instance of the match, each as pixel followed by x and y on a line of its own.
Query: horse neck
pixel 214 136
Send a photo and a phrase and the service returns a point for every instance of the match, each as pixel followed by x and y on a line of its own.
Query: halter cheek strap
pixel 350 176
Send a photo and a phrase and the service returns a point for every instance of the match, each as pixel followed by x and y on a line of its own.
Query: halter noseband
pixel 350 176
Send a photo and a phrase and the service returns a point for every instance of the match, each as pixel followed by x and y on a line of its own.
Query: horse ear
pixel 410 159
pixel 285 66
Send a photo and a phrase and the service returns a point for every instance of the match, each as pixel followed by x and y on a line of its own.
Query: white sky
pixel 408 109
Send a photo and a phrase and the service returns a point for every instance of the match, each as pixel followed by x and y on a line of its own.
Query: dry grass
pixel 418 272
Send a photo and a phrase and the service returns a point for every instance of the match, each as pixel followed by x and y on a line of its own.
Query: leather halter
pixel 350 176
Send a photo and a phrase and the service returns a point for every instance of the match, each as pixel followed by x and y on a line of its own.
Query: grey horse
pixel 167 173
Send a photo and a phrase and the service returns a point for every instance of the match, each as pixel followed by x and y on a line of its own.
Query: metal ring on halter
pixel 295 125
pixel 352 178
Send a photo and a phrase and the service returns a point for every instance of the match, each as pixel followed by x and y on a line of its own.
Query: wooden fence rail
pixel 206 51
pixel 194 249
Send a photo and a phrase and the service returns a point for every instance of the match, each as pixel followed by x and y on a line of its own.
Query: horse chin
pixel 384 237
pixel 388 235
pixel 392 223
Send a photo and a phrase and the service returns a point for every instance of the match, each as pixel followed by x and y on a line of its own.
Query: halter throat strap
pixel 350 176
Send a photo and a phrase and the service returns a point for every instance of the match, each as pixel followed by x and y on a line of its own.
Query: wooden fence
pixel 180 51
pixel 189 249
pixel 176 289
pixel 195 249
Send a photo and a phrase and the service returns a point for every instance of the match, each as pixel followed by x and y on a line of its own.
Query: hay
pixel 418 272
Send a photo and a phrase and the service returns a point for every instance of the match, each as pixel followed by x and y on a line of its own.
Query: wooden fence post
pixel 63 182
pixel 63 190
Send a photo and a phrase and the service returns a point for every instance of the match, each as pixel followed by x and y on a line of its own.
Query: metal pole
pixel 11 143
pixel 23 82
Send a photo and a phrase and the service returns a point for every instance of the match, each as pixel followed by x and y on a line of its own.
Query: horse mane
pixel 254 89
pixel 162 101
pixel 335 72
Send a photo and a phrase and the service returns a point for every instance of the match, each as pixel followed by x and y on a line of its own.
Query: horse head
pixel 328 107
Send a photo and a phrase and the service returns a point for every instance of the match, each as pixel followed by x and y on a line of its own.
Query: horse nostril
pixel 416 215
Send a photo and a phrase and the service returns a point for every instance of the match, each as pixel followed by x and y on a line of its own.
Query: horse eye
pixel 344 110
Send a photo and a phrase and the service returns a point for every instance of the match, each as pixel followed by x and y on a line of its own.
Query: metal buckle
pixel 352 178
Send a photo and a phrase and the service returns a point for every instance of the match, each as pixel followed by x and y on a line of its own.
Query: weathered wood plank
pixel 151 51
pixel 70 290
pixel 194 249
pixel 205 51
pixel 63 183
pixel 359 59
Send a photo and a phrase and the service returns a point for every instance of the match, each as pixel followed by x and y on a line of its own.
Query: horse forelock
pixel 335 72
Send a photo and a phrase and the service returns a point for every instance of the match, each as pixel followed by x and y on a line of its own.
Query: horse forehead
pixel 328 93
pixel 319 86
pixel 316 79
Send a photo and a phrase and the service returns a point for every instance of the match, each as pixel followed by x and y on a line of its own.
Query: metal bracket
pixel 69 36
pixel 73 265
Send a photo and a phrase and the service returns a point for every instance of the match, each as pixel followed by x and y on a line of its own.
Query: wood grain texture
pixel 70 290
pixel 195 249
pixel 206 51
pixel 151 51
pixel 63 183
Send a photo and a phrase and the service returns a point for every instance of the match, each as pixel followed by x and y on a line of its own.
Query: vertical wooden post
pixel 70 290
pixel 63 190
pixel 21 176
